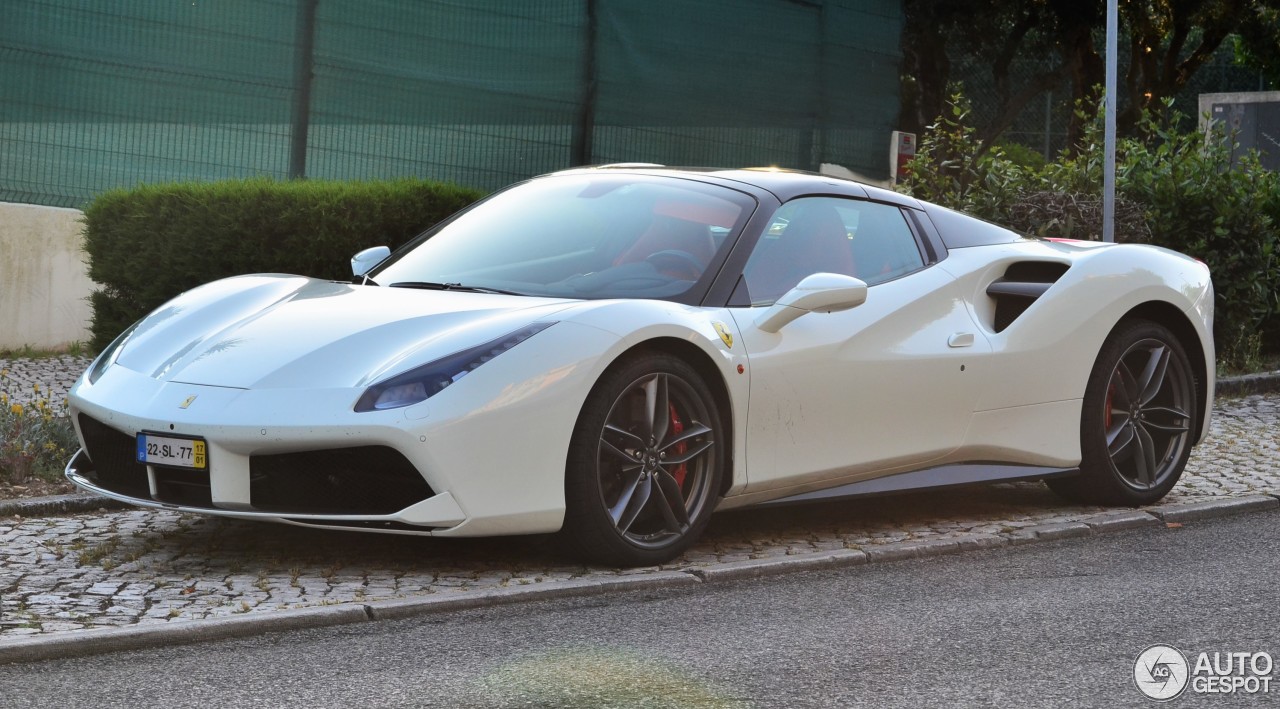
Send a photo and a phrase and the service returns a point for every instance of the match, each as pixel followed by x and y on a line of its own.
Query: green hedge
pixel 148 244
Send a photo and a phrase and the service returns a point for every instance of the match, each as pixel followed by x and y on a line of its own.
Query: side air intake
pixel 1023 283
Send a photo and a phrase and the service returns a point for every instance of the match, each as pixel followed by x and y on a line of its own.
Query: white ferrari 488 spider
pixel 613 353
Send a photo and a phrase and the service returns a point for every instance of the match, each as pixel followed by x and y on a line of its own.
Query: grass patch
pixel 75 349
pixel 100 553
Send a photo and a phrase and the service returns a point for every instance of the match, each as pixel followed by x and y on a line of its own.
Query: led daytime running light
pixel 422 383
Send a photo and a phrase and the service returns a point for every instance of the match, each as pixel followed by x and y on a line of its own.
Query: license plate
pixel 172 452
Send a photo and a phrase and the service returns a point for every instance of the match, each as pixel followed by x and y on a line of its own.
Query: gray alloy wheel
pixel 1138 421
pixel 645 463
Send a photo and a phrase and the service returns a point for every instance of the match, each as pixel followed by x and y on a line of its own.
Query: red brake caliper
pixel 677 427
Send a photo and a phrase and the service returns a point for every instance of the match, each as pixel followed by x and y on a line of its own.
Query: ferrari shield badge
pixel 187 401
pixel 724 333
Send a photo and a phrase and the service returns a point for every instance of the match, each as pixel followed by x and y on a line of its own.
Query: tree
pixel 1167 42
pixel 1257 43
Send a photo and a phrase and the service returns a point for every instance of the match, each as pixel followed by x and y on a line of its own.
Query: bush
pixel 950 168
pixel 148 244
pixel 1173 189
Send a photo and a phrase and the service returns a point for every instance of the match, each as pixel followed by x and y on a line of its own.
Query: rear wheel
pixel 645 463
pixel 1138 419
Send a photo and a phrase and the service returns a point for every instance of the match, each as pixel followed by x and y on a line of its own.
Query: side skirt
pixel 941 476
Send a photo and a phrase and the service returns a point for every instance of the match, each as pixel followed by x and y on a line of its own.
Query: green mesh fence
pixel 98 95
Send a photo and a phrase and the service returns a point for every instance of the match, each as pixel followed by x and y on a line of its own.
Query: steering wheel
pixel 680 261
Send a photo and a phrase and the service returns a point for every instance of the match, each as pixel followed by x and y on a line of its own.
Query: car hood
pixel 275 331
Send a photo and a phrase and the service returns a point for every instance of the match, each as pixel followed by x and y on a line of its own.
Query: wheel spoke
pixel 694 450
pixel 657 409
pixel 1153 374
pixel 628 513
pixel 693 430
pixel 631 438
pixel 618 452
pixel 624 499
pixel 1119 440
pixel 670 502
pixel 1145 457
pixel 1182 420
pixel 1124 386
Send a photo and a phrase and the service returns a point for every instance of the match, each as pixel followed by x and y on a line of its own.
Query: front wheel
pixel 645 463
pixel 1138 419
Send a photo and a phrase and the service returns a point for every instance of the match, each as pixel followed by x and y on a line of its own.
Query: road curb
pixel 772 566
pixel 1215 508
pixel 136 637
pixel 397 608
pixel 91 642
pixel 58 505
pixel 1117 521
pixel 1248 384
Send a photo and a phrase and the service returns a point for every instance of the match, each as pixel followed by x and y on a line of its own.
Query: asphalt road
pixel 1049 624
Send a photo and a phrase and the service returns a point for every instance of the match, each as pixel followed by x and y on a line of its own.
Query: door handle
pixel 960 339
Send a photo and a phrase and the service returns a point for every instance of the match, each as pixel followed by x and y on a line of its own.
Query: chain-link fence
pixel 1042 124
pixel 480 92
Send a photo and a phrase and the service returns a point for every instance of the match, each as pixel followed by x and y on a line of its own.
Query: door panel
pixel 890 382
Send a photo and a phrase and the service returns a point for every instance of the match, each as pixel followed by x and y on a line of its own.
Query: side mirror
pixel 364 261
pixel 820 292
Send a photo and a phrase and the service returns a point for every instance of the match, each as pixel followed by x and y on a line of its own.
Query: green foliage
pixel 952 169
pixel 34 440
pixel 1174 189
pixel 1022 156
pixel 148 244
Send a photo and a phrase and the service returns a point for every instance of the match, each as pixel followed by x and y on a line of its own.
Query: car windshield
pixel 578 236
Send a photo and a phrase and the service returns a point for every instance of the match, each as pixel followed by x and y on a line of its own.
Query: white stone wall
pixel 44 282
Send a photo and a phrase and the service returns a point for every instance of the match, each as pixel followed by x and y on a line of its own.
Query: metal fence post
pixel 303 64
pixel 584 127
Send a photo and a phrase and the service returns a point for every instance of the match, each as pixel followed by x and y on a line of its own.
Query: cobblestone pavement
pixel 48 378
pixel 136 567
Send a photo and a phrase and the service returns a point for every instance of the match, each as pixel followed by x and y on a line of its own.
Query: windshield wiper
pixel 428 285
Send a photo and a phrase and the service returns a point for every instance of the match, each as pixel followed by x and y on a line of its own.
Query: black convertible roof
pixel 783 183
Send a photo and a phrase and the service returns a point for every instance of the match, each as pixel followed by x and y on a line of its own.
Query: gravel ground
pixel 72 573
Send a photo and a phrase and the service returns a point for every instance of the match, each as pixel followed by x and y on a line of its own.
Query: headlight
pixel 422 383
pixel 108 356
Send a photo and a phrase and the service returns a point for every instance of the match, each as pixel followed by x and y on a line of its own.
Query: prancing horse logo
pixel 187 401
pixel 724 333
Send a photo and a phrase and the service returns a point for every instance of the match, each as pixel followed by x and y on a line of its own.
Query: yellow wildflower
pixel 35 388
pixel 16 409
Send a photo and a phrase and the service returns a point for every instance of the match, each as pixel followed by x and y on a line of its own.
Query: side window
pixel 828 235
pixel 883 246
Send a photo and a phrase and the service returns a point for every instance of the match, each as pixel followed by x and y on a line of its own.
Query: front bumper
pixel 491 448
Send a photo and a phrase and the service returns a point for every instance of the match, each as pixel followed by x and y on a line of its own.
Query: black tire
pixel 1138 421
pixel 640 487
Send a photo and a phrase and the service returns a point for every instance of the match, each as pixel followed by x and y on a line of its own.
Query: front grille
pixel 363 480
pixel 114 457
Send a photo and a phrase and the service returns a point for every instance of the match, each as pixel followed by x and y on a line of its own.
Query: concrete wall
pixel 44 284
